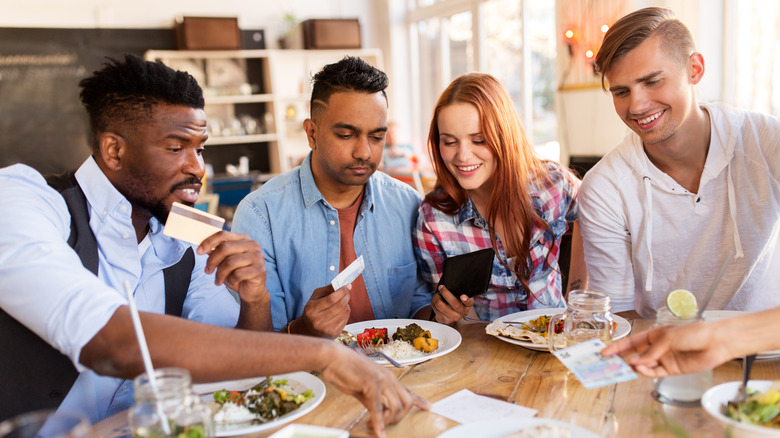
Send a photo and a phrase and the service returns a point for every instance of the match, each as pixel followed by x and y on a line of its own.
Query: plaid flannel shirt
pixel 438 235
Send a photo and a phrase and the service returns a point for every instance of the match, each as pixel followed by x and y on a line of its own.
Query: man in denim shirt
pixel 314 220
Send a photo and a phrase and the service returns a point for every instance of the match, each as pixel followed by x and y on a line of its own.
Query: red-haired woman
pixel 493 191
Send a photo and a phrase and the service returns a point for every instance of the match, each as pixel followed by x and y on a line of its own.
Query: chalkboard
pixel 42 122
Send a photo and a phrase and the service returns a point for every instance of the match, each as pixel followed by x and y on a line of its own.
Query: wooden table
pixel 491 367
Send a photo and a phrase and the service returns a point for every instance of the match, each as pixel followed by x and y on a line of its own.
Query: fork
pixel 372 351
pixel 747 364
pixel 525 325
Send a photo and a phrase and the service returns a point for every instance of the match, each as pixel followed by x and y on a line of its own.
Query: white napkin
pixel 466 407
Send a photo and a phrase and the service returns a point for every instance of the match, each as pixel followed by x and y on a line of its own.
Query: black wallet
pixel 468 274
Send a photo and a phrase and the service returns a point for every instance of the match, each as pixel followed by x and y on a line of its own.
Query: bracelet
pixel 288 327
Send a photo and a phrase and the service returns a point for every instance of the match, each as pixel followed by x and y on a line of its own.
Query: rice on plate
pixel 400 350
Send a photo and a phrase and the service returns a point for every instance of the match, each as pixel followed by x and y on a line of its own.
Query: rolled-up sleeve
pixel 43 284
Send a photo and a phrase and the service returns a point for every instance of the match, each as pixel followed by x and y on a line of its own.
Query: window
pixel 756 55
pixel 513 40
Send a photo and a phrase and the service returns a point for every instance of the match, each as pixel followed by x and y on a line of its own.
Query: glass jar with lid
pixel 586 317
pixel 171 402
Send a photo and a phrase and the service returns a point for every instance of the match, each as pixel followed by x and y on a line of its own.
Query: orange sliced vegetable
pixel 426 344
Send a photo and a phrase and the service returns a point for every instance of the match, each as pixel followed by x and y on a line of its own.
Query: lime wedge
pixel 682 303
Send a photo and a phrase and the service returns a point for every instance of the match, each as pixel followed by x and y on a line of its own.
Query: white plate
pixel 716 397
pixel 499 428
pixel 718 315
pixel 622 330
pixel 297 430
pixel 298 381
pixel 448 337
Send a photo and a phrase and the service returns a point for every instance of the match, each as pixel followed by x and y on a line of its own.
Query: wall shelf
pixel 264 91
pixel 241 139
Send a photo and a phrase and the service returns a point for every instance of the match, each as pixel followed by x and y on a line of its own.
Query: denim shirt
pixel 299 233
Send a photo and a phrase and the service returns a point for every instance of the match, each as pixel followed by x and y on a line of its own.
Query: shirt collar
pixel 312 195
pixel 101 194
pixel 469 213
pixel 106 201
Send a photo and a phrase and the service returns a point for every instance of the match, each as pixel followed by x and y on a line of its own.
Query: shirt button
pixel 333 222
pixel 332 268
pixel 103 213
pixel 123 208
pixel 126 236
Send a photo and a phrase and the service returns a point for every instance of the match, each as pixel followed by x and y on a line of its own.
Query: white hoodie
pixel 646 235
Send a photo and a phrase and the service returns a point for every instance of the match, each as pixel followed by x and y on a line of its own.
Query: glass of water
pixel 685 389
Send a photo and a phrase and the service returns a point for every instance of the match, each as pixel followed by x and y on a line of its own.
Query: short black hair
pixel 349 74
pixel 125 92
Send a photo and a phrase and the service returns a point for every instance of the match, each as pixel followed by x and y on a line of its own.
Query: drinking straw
pixel 715 283
pixel 139 333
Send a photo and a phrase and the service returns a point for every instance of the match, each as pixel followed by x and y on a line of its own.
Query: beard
pixel 140 191
pixel 155 207
pixel 344 176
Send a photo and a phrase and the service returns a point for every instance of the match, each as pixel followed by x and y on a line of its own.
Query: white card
pixel 190 224
pixel 466 407
pixel 591 368
pixel 349 274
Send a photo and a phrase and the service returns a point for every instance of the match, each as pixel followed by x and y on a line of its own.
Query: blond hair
pixel 635 28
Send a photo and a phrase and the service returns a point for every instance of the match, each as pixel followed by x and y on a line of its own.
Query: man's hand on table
pixel 238 263
pixel 450 309
pixel 326 313
pixel 377 388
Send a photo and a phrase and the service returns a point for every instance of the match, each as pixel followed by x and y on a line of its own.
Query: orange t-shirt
pixel 360 306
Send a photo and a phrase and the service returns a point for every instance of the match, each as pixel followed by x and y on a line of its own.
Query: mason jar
pixel 586 317
pixel 171 403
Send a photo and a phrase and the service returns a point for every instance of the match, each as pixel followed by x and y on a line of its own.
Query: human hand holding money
pixel 591 368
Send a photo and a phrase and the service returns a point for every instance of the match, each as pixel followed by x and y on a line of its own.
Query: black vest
pixel 33 374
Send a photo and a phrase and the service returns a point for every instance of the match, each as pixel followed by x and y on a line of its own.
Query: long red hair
pixel 516 166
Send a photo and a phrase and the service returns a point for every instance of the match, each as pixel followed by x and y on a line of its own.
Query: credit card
pixel 190 224
pixel 591 368
pixel 349 274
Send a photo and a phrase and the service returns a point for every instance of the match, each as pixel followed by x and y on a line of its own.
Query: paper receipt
pixel 349 274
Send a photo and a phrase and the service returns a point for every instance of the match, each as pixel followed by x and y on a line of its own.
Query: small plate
pixel 298 381
pixel 308 431
pixel 622 330
pixel 716 397
pixel 448 337
pixel 718 315
pixel 499 428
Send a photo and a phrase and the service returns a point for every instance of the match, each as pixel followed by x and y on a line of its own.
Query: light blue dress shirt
pixel 44 285
pixel 299 233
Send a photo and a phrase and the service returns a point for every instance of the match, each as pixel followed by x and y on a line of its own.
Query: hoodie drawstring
pixel 649 234
pixel 733 211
